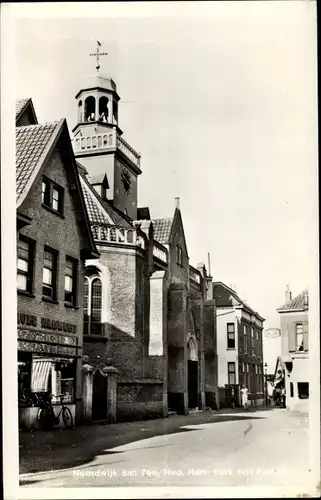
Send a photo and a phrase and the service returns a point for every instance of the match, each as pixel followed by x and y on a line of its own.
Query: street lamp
pixel 266 392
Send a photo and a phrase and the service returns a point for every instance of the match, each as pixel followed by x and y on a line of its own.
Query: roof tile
pixel 31 143
pixel 99 211
pixel 162 229
pixel 299 302
pixel 20 104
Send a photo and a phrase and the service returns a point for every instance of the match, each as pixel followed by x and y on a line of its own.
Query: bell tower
pixel 98 143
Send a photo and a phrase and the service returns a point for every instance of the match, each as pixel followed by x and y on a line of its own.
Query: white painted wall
pixel 300 373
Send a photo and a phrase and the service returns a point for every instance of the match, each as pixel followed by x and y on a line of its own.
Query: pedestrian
pixel 244 396
pixel 277 396
pixel 283 395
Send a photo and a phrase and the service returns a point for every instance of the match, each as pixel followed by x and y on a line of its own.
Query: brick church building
pixel 110 311
pixel 149 316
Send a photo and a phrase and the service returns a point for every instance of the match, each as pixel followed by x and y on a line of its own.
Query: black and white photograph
pixel 160 293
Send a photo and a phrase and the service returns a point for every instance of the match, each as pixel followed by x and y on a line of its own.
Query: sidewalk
pixel 60 449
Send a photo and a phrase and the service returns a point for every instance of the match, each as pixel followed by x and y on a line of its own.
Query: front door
pixel 192 384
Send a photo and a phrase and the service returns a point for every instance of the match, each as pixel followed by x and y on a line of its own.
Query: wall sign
pixel 46 323
pixel 46 348
pixel 46 337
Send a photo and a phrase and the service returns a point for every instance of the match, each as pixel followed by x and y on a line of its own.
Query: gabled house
pixel 239 344
pixel 53 241
pixel 294 319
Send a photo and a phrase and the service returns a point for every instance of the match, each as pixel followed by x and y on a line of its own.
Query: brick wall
pixel 62 234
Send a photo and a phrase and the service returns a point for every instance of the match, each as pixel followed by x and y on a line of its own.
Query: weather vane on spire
pixel 97 54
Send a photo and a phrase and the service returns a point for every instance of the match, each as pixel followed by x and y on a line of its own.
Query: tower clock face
pixel 126 181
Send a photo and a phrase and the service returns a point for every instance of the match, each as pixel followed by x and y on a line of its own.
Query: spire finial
pixel 177 202
pixel 97 54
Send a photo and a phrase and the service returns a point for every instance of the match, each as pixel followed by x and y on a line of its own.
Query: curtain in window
pixel 306 335
pixel 40 375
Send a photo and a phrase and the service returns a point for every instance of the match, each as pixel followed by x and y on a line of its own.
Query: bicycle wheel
pixel 45 419
pixel 67 417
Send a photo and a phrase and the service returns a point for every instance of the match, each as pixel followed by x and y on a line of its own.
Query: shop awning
pixel 40 375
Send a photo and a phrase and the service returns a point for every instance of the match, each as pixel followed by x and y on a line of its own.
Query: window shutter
pixel 291 337
pixel 305 335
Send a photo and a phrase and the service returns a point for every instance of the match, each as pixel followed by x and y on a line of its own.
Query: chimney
pixel 209 263
pixel 177 202
pixel 288 294
pixel 306 299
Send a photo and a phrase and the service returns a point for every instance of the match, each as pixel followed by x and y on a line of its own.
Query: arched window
pixel 96 304
pixel 103 109
pixel 92 304
pixel 80 112
pixel 115 112
pixel 86 302
pixel 90 109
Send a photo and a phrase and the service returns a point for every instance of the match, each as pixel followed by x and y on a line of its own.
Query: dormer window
pixel 52 195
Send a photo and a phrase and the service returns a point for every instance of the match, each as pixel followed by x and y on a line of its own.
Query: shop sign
pixel 46 323
pixel 46 348
pixel 52 338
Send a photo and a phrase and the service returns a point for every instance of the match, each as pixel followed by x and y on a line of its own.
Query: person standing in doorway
pixel 244 397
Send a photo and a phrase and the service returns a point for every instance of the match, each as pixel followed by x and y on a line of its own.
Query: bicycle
pixel 47 417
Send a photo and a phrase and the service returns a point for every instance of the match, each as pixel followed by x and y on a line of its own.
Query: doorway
pixel 99 411
pixel 192 384
pixel 192 373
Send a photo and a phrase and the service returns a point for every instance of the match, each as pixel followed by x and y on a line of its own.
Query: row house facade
pixel 294 325
pixel 54 241
pixel 239 344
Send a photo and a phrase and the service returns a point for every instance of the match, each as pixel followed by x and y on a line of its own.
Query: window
pixel 92 305
pixel 54 375
pixel 230 335
pixel 49 273
pixel 299 336
pixel 291 390
pixel 303 390
pixel 231 373
pixel 52 195
pixel 86 303
pixel 25 265
pixel 24 377
pixel 179 255
pixel 96 306
pixel 70 280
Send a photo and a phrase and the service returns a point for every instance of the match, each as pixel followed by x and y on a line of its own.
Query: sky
pixel 220 100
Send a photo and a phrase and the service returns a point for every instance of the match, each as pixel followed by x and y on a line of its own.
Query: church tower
pixel 98 143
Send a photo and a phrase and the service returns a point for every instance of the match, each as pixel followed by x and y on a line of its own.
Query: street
pixel 225 448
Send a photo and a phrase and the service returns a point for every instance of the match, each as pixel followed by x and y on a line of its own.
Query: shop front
pixel 48 364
